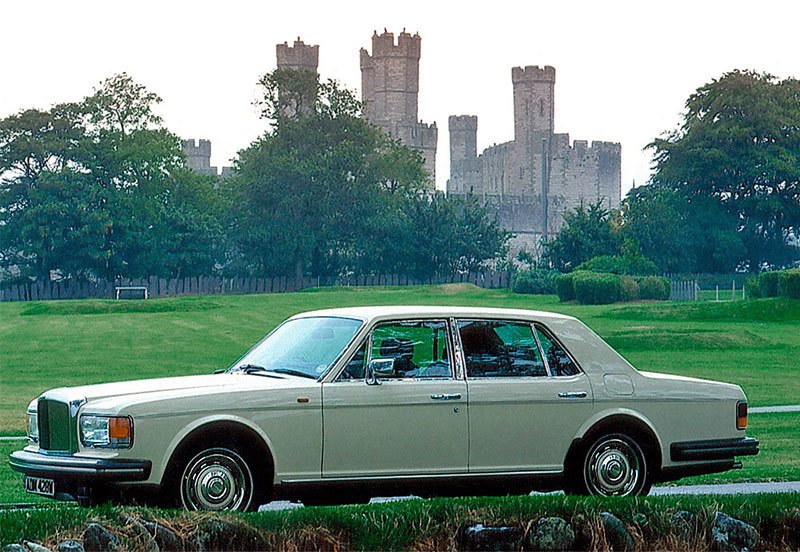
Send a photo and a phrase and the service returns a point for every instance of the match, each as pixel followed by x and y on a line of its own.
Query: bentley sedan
pixel 339 405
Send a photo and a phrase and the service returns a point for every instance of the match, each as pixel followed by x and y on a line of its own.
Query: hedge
pixel 654 287
pixel 536 281
pixel 597 288
pixel 768 284
pixel 564 287
pixel 634 265
pixel 789 283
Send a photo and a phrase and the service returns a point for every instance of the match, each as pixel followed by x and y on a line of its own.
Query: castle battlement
pixel 197 148
pixel 298 56
pixel 463 122
pixel 407 45
pixel 533 73
pixel 561 142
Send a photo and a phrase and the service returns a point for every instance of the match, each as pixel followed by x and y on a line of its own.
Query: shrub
pixel 635 265
pixel 564 287
pixel 789 283
pixel 535 281
pixel 751 287
pixel 768 284
pixel 629 288
pixel 654 287
pixel 597 288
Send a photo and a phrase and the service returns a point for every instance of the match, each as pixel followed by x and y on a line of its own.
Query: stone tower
pixel 298 56
pixel 198 155
pixel 534 105
pixel 463 143
pixel 390 91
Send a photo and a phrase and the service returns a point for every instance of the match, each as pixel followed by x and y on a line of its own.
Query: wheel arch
pixel 628 422
pixel 220 429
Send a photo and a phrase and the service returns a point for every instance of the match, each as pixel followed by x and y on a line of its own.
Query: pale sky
pixel 623 69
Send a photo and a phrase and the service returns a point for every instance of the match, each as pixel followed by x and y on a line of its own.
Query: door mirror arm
pixel 378 368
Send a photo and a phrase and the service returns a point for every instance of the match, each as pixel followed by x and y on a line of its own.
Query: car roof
pixel 415 311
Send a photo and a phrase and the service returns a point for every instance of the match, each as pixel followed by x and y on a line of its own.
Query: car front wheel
pixel 614 465
pixel 217 479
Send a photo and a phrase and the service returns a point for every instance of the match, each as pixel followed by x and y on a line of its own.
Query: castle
pixel 530 182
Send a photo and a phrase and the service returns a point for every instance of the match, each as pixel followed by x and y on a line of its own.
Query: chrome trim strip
pixel 423 476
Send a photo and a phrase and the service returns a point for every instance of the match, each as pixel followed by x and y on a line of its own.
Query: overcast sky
pixel 623 69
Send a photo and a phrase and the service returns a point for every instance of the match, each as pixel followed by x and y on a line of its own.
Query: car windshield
pixel 303 347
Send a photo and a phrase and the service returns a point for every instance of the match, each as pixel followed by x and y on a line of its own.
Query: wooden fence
pixel 683 290
pixel 214 285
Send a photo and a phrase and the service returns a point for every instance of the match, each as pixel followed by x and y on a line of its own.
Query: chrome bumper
pixel 78 469
pixel 717 449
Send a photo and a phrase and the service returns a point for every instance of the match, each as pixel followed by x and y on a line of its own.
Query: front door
pixel 414 422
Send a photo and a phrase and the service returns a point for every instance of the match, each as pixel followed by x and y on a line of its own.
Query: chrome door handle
pixel 572 394
pixel 446 397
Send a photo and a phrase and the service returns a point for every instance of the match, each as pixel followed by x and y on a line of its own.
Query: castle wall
pixel 512 178
pixel 298 56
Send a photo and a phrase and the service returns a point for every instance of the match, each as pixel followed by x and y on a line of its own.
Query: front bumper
pixel 717 449
pixel 71 468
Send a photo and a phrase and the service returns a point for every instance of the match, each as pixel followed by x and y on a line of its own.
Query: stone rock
pixel 552 533
pixel 220 534
pixel 70 546
pixel 640 519
pixel 14 547
pixel 166 539
pixel 733 534
pixel 279 505
pixel 617 534
pixel 478 537
pixel 145 540
pixel 97 538
pixel 35 547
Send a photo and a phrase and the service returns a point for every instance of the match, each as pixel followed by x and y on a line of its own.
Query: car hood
pixel 175 387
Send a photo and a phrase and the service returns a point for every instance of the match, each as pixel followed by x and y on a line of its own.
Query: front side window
pixel 303 346
pixel 419 349
pixel 496 348
pixel 560 363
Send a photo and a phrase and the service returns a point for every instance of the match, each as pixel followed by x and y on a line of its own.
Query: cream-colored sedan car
pixel 342 404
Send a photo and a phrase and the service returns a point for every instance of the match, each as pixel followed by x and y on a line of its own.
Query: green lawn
pixel 755 344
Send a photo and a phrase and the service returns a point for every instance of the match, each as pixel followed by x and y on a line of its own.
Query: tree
pixel 586 232
pixel 738 148
pixel 680 234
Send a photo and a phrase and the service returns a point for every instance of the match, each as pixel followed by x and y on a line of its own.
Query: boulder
pixel 14 547
pixel 166 538
pixel 222 534
pixel 35 547
pixel 97 538
pixel 617 535
pixel 552 533
pixel 732 534
pixel 69 546
pixel 481 538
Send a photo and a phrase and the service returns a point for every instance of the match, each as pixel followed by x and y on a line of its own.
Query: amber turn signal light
pixel 741 415
pixel 119 428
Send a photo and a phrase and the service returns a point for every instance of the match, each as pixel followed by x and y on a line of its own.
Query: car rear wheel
pixel 614 465
pixel 217 478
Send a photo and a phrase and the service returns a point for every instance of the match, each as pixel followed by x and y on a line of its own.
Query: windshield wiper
pixel 291 372
pixel 253 369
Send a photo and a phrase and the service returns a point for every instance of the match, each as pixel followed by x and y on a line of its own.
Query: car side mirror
pixel 379 368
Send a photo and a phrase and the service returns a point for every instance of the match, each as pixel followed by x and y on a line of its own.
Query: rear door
pixel 523 415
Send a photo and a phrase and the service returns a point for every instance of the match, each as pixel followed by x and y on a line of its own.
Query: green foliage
pixel 681 234
pixel 326 193
pixel 789 283
pixel 587 232
pixel 564 287
pixel 635 265
pixel 654 287
pixel 629 288
pixel 768 283
pixel 738 149
pixel 595 288
pixel 751 287
pixel 534 281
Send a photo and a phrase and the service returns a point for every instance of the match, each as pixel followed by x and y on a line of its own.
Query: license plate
pixel 40 486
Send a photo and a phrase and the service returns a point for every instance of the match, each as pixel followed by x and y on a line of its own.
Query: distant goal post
pixel 131 292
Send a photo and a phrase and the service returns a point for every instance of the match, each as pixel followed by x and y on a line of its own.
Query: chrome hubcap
pixel 613 468
pixel 216 479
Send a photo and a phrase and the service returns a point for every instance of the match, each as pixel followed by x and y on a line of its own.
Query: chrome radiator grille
pixel 57 431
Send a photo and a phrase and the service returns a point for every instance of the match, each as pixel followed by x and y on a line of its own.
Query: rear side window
pixel 560 363
pixel 500 349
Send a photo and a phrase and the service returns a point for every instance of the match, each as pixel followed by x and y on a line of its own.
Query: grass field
pixel 43 345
